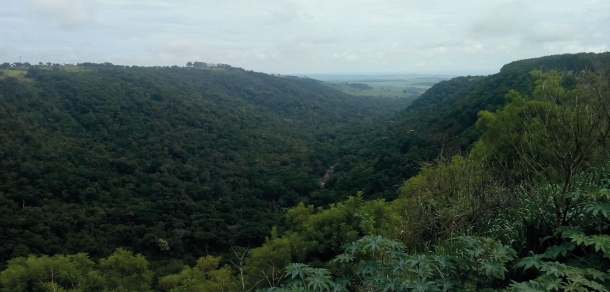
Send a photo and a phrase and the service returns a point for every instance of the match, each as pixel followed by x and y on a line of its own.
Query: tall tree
pixel 551 136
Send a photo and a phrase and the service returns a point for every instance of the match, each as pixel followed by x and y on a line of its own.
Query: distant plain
pixel 391 86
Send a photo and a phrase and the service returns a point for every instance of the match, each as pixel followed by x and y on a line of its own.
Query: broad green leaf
pixel 343 258
pixel 567 231
pixel 597 275
pixel 445 262
pixel 580 238
pixel 319 280
pixel 423 285
pixel 297 269
pixel 351 247
pixel 528 262
pixel 400 266
pixel 554 268
pixel 389 284
pixel 573 286
pixel 447 284
pixel 368 268
pixel 530 286
pixel 494 269
pixel 342 283
pixel 596 286
pixel 553 251
pixel 551 283
pixel 597 207
pixel 502 253
pixel 601 242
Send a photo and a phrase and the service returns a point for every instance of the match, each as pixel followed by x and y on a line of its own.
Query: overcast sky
pixel 303 36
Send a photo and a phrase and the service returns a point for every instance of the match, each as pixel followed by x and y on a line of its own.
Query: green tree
pixel 445 198
pixel 550 137
pixel 376 263
pixel 265 264
pixel 125 272
pixel 206 276
pixel 56 273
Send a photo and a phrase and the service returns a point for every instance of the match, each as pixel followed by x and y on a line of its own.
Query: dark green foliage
pixel 442 122
pixel 565 62
pixel 201 159
pixel 579 259
pixel 375 263
pixel 539 161
pixel 177 163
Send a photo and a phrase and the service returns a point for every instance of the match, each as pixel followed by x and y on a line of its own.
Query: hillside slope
pixel 109 156
pixel 440 122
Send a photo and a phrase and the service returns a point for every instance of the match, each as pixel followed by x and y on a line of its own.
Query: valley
pixel 187 179
pixel 382 85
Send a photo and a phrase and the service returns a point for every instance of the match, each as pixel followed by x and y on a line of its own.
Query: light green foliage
pixel 16 73
pixel 206 276
pixel 265 264
pixel 342 222
pixel 380 264
pixel 575 264
pixel 549 138
pixel 56 273
pixel 125 272
pixel 318 234
pixel 302 277
pixel 554 132
pixel 445 197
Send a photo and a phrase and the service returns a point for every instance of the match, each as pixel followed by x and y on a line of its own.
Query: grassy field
pixel 19 73
pixel 16 73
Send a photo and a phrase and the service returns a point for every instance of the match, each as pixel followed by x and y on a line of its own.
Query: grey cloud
pixel 3 50
pixel 285 13
pixel 67 14
pixel 323 39
pixel 501 20
pixel 187 50
pixel 549 32
pixel 305 45
pixel 301 36
pixel 296 49
pixel 346 56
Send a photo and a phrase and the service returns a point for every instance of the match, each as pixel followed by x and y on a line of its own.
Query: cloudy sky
pixel 303 36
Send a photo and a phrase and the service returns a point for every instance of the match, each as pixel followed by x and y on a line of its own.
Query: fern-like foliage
pixel 382 264
pixel 573 264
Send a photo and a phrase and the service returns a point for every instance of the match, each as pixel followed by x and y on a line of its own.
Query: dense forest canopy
pixel 440 121
pixel 190 179
pixel 97 157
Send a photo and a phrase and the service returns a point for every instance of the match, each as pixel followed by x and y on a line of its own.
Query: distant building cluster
pixel 207 65
pixel 7 65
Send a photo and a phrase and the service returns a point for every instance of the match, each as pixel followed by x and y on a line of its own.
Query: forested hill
pixel 97 157
pixel 177 163
pixel 445 115
pixel 441 122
